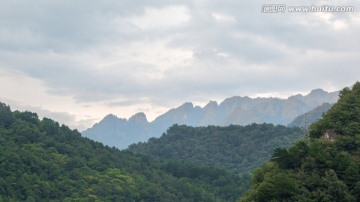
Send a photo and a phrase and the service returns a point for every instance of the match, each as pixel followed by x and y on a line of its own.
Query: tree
pixel 322 170
pixel 6 116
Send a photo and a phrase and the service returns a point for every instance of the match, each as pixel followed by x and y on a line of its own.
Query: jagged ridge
pixel 235 110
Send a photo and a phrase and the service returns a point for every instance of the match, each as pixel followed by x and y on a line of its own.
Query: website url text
pixel 282 8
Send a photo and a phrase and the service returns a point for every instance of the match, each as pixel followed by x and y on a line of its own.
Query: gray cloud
pixel 95 50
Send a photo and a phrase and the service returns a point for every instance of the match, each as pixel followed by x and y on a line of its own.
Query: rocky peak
pixel 139 118
pixel 186 105
pixel 211 104
pixel 317 92
pixel 111 118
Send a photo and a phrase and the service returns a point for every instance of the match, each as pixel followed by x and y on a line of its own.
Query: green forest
pixel 322 168
pixel 42 160
pixel 236 148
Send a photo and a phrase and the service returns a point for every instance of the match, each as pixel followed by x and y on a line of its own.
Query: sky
pixel 77 61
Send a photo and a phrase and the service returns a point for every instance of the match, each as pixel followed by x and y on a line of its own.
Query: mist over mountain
pixel 311 116
pixel 118 132
pixel 237 110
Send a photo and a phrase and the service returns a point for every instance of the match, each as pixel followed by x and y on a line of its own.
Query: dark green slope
pixel 322 169
pixel 43 161
pixel 236 148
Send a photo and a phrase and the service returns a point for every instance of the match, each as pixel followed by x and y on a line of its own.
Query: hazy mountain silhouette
pixel 118 132
pixel 311 116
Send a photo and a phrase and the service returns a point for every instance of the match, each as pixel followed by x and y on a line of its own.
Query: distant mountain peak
pixel 211 104
pixel 295 97
pixel 139 118
pixel 187 105
pixel 317 91
pixel 110 117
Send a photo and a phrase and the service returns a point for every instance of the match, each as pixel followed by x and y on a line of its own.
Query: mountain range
pixel 237 110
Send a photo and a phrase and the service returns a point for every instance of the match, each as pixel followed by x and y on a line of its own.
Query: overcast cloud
pixel 77 61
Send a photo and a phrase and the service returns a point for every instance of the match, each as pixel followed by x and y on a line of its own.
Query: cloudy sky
pixel 76 61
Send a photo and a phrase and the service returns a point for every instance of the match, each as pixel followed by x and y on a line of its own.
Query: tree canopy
pixel 42 160
pixel 319 170
pixel 236 148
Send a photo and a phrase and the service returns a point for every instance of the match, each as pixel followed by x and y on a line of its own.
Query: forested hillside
pixel 237 148
pixel 43 161
pixel 327 168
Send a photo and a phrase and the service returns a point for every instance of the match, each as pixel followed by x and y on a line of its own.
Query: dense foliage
pixel 43 161
pixel 237 148
pixel 319 170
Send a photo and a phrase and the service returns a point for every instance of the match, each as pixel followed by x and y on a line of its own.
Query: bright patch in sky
pixel 165 17
pixel 223 18
pixel 333 22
